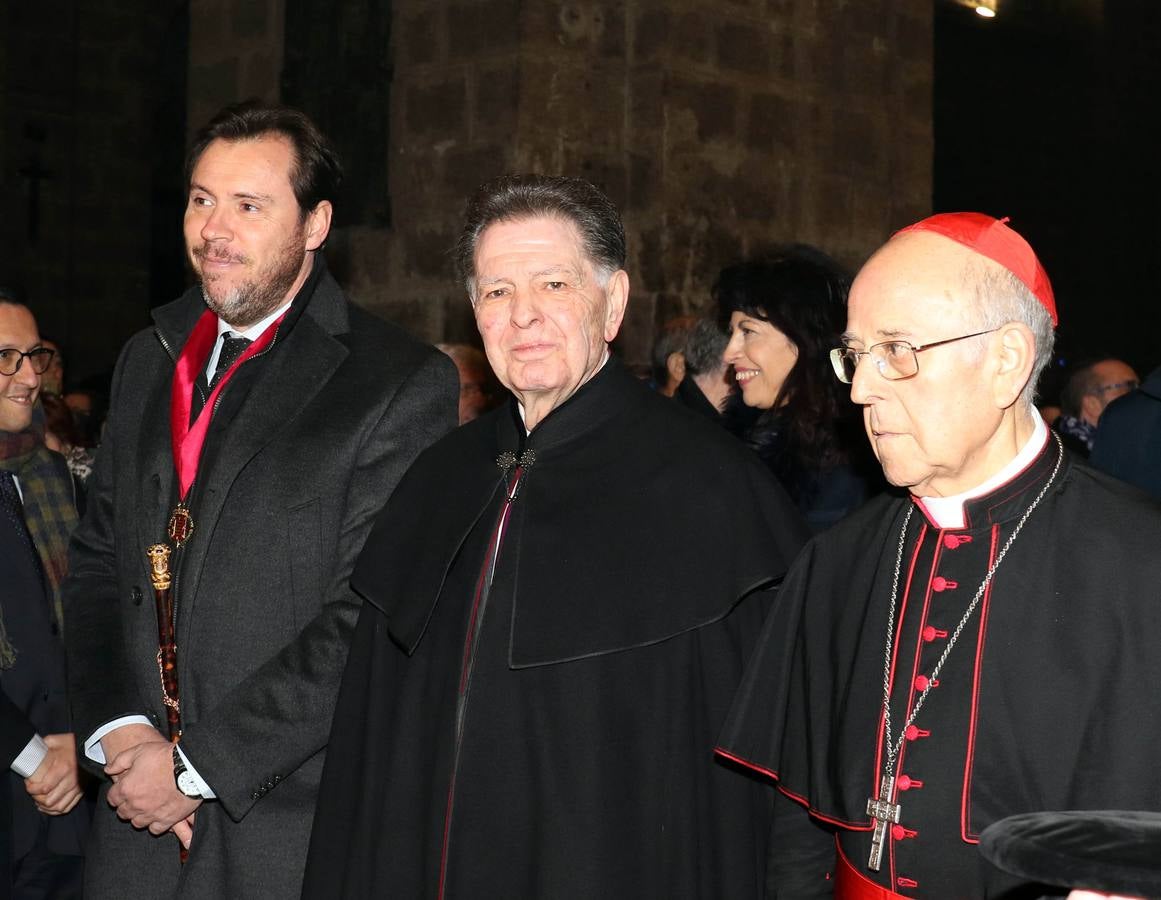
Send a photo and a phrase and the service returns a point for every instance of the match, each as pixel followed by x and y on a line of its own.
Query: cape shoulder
pixel 643 527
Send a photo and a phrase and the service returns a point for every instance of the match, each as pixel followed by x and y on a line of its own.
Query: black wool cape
pixel 549 732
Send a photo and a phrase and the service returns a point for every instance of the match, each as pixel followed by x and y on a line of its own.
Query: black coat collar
pixel 1011 499
pixel 320 294
pixel 634 523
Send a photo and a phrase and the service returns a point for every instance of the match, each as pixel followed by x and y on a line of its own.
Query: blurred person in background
pixel 668 356
pixel 1091 387
pixel 707 384
pixel 88 408
pixel 478 388
pixel 52 381
pixel 1128 442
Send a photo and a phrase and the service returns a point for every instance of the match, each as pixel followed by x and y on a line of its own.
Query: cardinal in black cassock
pixel 981 646
pixel 559 601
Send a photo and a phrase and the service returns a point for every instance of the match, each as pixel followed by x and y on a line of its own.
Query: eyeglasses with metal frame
pixel 12 359
pixel 894 360
pixel 1131 385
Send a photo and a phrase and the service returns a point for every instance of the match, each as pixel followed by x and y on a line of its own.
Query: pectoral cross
pixel 883 811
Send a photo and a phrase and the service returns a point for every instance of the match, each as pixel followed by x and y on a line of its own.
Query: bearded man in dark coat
pixel 975 646
pixel 559 601
pixel 264 418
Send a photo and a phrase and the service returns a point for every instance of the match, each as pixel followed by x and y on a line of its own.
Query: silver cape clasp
pixel 509 460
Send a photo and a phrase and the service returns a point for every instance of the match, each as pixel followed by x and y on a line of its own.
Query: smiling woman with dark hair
pixel 784 313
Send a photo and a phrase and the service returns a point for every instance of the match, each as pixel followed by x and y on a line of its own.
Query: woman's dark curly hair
pixel 803 293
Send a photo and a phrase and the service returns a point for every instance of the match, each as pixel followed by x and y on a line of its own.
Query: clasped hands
pixel 140 762
pixel 55 786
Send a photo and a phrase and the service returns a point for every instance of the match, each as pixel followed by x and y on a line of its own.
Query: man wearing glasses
pixel 41 828
pixel 1090 389
pixel 963 650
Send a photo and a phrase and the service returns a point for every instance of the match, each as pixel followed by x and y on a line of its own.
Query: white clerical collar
pixel 520 406
pixel 947 512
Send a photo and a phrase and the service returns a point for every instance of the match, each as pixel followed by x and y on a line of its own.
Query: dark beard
pixel 253 300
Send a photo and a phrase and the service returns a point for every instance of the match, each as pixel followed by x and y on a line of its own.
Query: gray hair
pixel 512 198
pixel 1001 298
pixel 704 347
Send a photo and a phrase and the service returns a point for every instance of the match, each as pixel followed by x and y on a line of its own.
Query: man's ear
pixel 1091 409
pixel 617 298
pixel 1013 360
pixel 318 224
pixel 675 366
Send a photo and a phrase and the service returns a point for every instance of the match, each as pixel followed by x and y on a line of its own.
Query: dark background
pixel 1045 114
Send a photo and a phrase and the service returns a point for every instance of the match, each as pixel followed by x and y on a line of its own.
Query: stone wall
pixel 235 52
pixel 719 131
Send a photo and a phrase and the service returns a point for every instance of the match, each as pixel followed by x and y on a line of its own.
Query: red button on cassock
pixel 939 583
pixel 921 682
pixel 930 633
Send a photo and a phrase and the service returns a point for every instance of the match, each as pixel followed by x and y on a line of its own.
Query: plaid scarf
pixel 50 513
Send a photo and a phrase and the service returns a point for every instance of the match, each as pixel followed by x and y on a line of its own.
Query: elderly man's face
pixel 244 232
pixel 545 317
pixel 934 432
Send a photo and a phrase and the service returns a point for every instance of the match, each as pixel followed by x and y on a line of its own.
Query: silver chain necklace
pixel 882 809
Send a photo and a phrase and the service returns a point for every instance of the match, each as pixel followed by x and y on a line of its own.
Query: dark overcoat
pixel 307 444
pixel 15 732
pixel 1128 440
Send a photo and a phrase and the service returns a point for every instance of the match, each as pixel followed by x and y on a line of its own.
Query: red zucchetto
pixel 994 239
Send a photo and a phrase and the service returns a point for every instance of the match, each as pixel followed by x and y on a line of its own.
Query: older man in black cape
pixel 560 597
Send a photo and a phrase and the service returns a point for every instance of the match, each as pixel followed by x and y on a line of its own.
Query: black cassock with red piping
pixel 1047 700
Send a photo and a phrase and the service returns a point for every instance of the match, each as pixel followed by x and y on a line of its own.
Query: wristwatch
pixel 184 778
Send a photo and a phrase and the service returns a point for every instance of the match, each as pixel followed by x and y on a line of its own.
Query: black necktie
pixel 232 347
pixel 13 511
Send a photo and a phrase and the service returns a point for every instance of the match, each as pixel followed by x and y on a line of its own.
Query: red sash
pixel 188 441
pixel 851 884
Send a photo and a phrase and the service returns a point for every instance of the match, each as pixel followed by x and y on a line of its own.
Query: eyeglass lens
pixel 893 359
pixel 11 359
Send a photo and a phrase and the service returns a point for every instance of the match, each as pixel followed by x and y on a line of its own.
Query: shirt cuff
pixel 93 748
pixel 30 758
pixel 204 789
